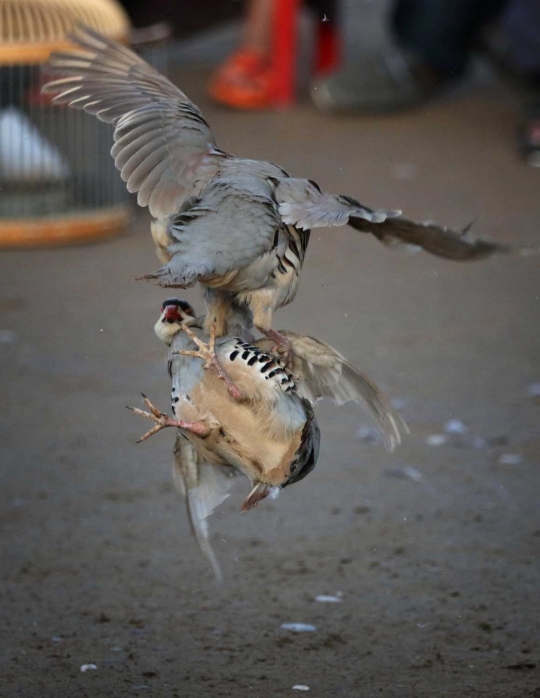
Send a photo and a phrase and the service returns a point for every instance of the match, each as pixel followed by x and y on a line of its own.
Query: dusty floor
pixel 434 549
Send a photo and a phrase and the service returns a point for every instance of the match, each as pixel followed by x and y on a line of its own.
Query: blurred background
pixel 430 554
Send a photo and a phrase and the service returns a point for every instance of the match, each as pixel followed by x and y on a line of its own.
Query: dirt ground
pixel 433 550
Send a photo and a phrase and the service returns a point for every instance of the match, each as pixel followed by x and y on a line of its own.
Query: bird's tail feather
pixel 204 486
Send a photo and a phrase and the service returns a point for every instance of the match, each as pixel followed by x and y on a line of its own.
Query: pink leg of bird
pixel 163 420
pixel 282 345
pixel 207 352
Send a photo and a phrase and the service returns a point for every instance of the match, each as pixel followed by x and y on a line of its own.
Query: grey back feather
pixel 231 225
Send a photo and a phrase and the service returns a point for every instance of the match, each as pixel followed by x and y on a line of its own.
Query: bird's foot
pixel 163 420
pixel 207 352
pixel 282 346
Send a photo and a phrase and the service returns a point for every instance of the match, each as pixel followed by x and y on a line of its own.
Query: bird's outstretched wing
pixel 320 371
pixel 204 486
pixel 163 147
pixel 303 204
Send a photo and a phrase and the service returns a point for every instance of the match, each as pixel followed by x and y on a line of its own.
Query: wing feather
pixel 435 239
pixel 321 371
pixel 303 204
pixel 178 156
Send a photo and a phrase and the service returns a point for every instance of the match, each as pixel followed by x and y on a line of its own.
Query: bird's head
pixel 175 314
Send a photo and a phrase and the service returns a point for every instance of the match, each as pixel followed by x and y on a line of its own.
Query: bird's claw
pixel 207 352
pixel 160 418
pixel 163 421
pixel 153 409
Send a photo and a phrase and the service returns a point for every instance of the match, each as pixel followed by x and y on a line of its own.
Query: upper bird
pixel 240 227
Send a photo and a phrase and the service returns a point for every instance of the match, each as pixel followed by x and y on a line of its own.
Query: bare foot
pixel 163 420
pixel 207 352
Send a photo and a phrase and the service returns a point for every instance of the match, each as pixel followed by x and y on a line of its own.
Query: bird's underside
pixel 238 226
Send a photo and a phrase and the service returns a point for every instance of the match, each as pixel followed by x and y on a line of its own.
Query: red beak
pixel 172 314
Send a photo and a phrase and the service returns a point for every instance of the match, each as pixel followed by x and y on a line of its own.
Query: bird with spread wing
pixel 239 227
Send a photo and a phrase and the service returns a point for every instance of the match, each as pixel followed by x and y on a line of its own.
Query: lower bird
pixel 247 414
pixel 244 412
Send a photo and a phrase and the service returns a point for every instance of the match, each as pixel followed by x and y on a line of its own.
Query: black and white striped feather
pixel 264 367
pixel 320 371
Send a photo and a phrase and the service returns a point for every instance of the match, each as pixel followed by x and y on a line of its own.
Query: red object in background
pixel 244 81
pixel 328 48
pixel 285 49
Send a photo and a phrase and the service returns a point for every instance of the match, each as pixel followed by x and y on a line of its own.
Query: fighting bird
pixel 239 227
pixel 223 433
pixel 264 428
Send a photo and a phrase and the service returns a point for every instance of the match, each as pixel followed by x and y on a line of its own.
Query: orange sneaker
pixel 245 81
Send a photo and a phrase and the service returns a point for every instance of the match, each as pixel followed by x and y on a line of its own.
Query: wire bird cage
pixel 58 183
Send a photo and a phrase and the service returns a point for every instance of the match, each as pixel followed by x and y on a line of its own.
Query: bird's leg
pixel 282 345
pixel 163 420
pixel 218 311
pixel 207 352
